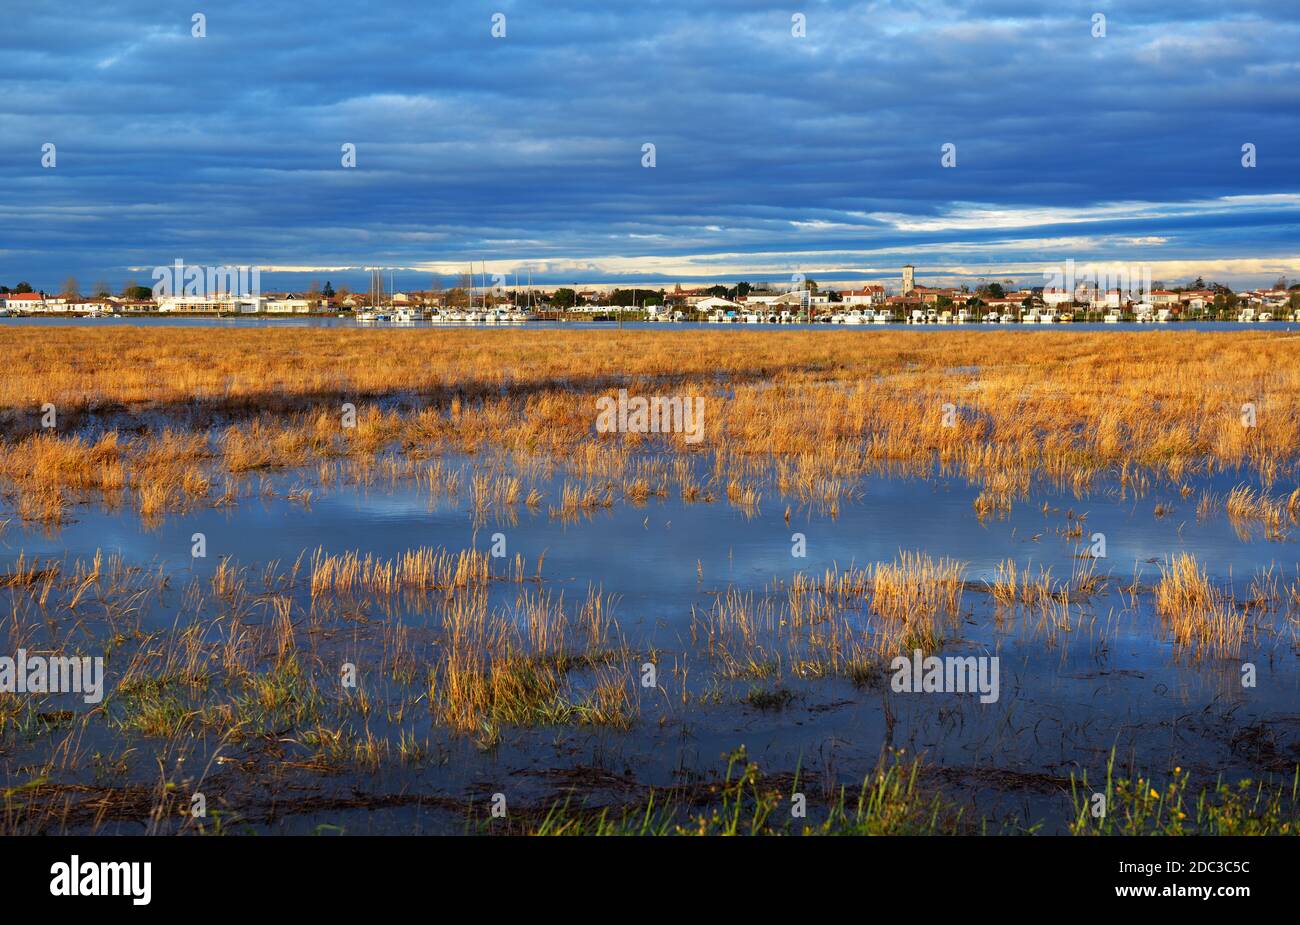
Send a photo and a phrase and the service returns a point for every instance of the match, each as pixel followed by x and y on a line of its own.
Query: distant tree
pixel 328 291
pixel 101 290
pixel 71 290
pixel 943 302
pixel 564 298
pixel 1225 302
pixel 22 287
pixel 136 293
pixel 627 297
pixel 1281 283
pixel 720 291
pixel 996 291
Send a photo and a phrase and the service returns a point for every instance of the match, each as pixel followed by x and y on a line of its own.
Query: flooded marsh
pixel 390 581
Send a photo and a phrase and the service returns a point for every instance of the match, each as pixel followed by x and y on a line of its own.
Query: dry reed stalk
pixel 1197 613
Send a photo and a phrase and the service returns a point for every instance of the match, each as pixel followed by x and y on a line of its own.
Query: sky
pixel 804 137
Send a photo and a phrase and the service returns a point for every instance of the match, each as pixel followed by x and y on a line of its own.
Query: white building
pixel 25 301
pixel 1111 298
pixel 289 306
pixel 244 305
pixel 871 295
pixel 714 303
pixel 35 302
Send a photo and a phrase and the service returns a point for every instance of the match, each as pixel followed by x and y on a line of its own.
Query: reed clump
pixel 1197 613
pixel 914 594
pixel 423 569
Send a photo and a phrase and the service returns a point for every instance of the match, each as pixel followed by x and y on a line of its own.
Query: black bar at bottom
pixel 333 875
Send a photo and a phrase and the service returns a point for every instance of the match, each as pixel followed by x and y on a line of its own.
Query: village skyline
pixel 488 275
pixel 1111 292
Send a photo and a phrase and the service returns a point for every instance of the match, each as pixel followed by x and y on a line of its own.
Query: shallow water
pixel 1110 680
pixel 650 551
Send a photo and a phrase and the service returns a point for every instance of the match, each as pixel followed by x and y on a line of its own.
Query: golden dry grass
pixel 1196 612
pixel 422 569
pixel 187 408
